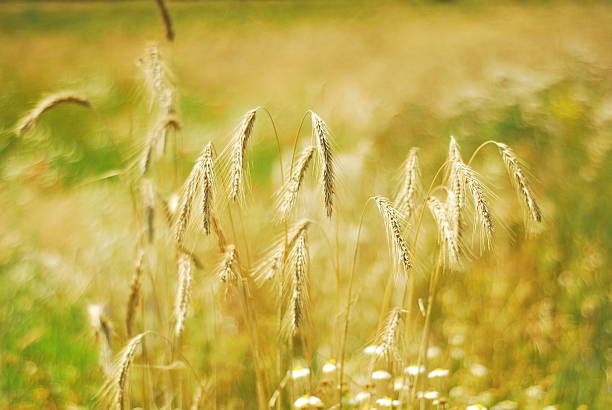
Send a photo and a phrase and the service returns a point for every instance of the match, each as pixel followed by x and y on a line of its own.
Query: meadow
pixel 142 267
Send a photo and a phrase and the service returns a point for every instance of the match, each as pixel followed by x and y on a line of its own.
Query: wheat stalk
pixel 393 225
pixel 321 134
pixel 190 191
pixel 404 201
pixel 520 181
pixel 165 15
pixel 183 292
pixel 288 193
pixel 456 188
pixel 239 145
pixel 448 237
pixel 134 294
pixel 46 104
pixel 157 79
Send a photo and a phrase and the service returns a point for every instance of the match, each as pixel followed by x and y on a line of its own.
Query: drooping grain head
pixel 274 260
pixel 158 80
pixel 148 202
pixel 477 191
pixel 134 294
pixel 239 144
pixel 104 334
pixel 287 196
pixel 448 238
pixel 189 192
pixel 297 286
pixel 405 198
pixel 387 340
pixel 183 293
pixel 120 377
pixel 206 185
pixel 520 182
pixel 31 118
pixel 229 270
pixel 322 137
pixel 394 225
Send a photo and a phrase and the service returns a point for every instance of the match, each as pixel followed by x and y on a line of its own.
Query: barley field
pixel 328 204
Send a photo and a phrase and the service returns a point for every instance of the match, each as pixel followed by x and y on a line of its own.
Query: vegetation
pixel 310 206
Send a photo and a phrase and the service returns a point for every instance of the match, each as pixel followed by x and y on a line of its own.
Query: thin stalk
pixel 481 146
pixel 348 304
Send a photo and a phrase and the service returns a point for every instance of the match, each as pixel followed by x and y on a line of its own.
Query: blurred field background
pixel 386 76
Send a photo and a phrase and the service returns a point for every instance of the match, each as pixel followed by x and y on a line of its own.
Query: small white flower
pixel 299 372
pixel 381 375
pixel 438 373
pixel 550 408
pixel 398 384
pixel 387 402
pixel 431 395
pixel 349 400
pixel 308 401
pixel 362 396
pixel 413 369
pixel 330 366
pixel 479 370
pixel 173 203
pixel 373 350
pixel 535 391
pixel 476 407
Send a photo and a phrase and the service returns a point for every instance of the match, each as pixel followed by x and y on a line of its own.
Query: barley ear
pixel 134 295
pixel 448 238
pixel 288 194
pixel 393 224
pixel 206 185
pixel 321 135
pixel 520 182
pixel 31 118
pixel 183 293
pixel 296 286
pixel 239 144
pixel 405 198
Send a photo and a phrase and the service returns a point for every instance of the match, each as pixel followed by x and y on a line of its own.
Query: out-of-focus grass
pixel 386 78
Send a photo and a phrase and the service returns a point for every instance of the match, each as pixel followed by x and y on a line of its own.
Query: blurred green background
pixel 386 76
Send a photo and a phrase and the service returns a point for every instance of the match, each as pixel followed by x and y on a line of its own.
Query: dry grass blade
pixel 448 239
pixel 183 293
pixel 321 134
pixel 404 201
pixel 239 145
pixel 297 282
pixel 393 224
pixel 134 295
pixel 288 194
pixel 520 181
pixel 274 260
pixel 28 121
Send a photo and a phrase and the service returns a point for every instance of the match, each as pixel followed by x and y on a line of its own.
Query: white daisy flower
pixel 476 407
pixel 413 369
pixel 330 366
pixel 398 384
pixel 430 395
pixel 381 375
pixel 438 373
pixel 299 372
pixel 387 402
pixel 349 400
pixel 362 396
pixel 307 401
